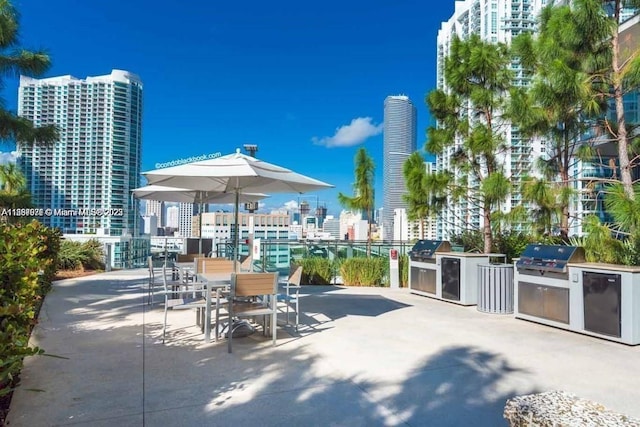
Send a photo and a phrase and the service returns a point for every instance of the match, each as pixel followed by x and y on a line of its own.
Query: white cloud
pixel 8 157
pixel 352 134
pixel 291 205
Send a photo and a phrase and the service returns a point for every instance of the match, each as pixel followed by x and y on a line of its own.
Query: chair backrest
pixel 254 284
pixel 296 277
pixel 152 275
pixel 247 264
pixel 214 265
pixel 165 282
pixel 186 257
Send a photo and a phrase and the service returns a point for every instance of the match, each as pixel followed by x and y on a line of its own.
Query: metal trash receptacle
pixel 495 288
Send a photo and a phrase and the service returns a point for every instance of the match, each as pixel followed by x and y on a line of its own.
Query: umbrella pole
pixel 236 245
pixel 200 228
pixel 166 252
pixel 200 209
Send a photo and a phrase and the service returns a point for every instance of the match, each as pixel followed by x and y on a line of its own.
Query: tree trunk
pixel 623 143
pixel 564 216
pixel 423 225
pixel 487 228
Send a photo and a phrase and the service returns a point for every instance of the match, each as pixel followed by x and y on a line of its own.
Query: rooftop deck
pixel 362 357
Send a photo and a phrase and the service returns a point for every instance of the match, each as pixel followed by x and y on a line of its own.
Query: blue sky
pixel 305 81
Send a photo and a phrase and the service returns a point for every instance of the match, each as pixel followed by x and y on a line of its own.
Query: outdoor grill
pixel 542 283
pixel 549 260
pixel 422 265
pixel 424 250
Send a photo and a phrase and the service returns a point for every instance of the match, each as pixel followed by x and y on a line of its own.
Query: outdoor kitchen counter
pixel 458 277
pixel 597 299
pixel 603 266
pixel 470 254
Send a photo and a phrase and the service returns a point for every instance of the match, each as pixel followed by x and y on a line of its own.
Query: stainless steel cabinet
pixel 423 279
pixel 547 302
pixel 450 268
pixel 602 303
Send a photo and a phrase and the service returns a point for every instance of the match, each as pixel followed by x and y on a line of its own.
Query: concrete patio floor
pixel 362 357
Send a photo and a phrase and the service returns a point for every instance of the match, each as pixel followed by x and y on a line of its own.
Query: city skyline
pixel 308 91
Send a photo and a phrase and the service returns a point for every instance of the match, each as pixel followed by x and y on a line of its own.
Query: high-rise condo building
pixel 155 207
pixel 173 217
pixel 86 177
pixel 185 219
pixel 399 141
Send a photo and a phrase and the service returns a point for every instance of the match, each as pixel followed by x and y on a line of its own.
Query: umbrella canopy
pixel 233 172
pixel 184 195
pixel 237 173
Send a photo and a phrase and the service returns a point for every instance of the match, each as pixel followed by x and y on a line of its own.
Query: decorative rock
pixel 560 409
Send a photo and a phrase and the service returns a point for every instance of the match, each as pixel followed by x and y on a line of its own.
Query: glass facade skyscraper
pixel 399 141
pixel 96 162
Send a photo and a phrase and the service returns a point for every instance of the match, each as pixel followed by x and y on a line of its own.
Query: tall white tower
pixel 399 141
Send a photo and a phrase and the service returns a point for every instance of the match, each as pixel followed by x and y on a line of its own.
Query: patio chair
pixel 176 298
pixel 253 295
pixel 247 264
pixel 151 285
pixel 213 265
pixel 291 294
pixel 186 257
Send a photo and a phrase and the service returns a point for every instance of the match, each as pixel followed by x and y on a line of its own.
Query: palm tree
pixel 426 192
pixel 11 179
pixel 470 122
pixel 539 192
pixel 562 102
pixel 14 61
pixel 622 74
pixel 418 195
pixel 363 198
pixel 13 192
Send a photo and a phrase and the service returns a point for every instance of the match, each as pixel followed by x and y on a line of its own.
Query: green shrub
pixel 510 243
pixel 94 255
pixel 76 255
pixel 601 246
pixel 470 240
pixel 70 256
pixel 365 271
pixel 631 250
pixel 27 264
pixel 316 270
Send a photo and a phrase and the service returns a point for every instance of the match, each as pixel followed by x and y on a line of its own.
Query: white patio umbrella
pixel 184 195
pixel 235 173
